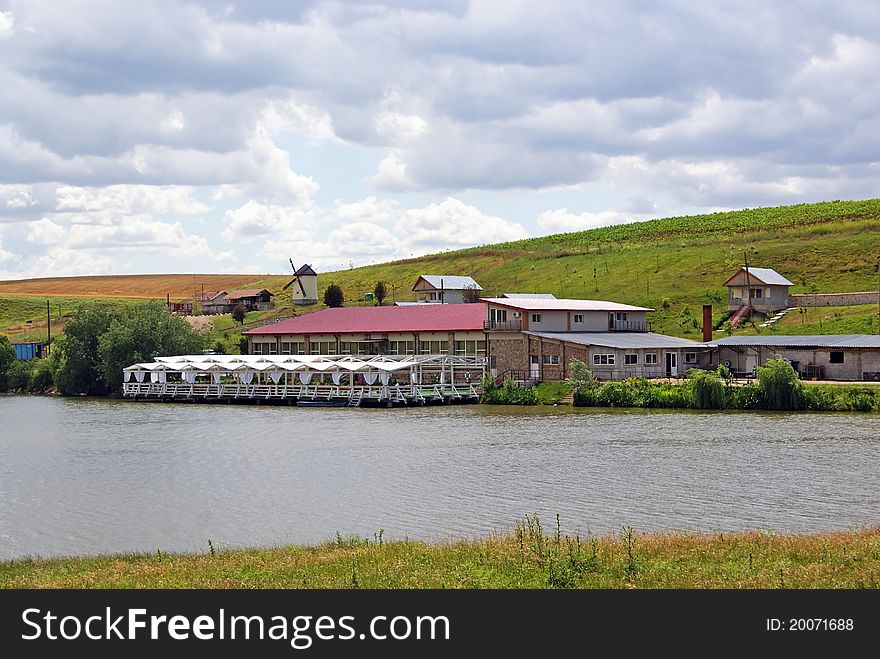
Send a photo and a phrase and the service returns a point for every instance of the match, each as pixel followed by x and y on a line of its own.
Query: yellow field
pixel 128 286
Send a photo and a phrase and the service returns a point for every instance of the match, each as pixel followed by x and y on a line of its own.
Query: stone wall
pixel 507 351
pixel 832 299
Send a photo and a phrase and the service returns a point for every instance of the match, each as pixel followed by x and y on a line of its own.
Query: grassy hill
pixel 673 265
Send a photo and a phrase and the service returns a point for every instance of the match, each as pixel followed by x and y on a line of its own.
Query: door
pixel 671 364
pixel 534 367
pixel 751 362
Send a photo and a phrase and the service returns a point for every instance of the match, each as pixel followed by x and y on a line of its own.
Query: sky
pixel 211 136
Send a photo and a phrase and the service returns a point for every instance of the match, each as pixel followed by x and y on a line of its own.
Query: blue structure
pixel 26 351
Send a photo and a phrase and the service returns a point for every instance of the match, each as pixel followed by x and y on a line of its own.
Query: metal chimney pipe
pixel 707 323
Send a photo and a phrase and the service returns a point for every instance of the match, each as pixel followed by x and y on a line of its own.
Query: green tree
pixel 333 296
pixel 146 332
pixel 707 389
pixel 470 294
pixel 379 292
pixel 7 360
pixel 238 313
pixel 780 387
pixel 79 366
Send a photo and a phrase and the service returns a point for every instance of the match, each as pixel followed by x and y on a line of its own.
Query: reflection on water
pixel 87 476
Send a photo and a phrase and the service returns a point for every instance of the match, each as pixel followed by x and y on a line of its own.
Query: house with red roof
pixel 438 329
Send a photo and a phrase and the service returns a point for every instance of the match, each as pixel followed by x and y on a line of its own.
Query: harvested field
pixel 127 286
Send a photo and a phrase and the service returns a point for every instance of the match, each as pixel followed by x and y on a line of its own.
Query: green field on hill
pixel 674 265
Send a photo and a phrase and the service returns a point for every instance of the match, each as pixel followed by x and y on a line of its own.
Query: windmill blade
pixel 284 288
pixel 292 266
pixel 301 287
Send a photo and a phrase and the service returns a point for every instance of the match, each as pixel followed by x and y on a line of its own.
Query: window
pixel 499 315
pixel 578 319
pixel 257 349
pixel 836 357
pixel 603 360
pixel 536 318
pixel 736 293
pixel 293 348
pixel 433 347
pixel 650 358
pixel 344 348
pixel 400 347
pixel 690 358
pixel 620 315
pixel 470 347
pixel 766 292
pixel 630 360
pixel 757 292
pixel 551 359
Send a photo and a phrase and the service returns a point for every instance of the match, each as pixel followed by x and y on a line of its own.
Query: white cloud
pixel 45 232
pixel 130 199
pixel 561 220
pixel 7 24
pixel 17 196
pixel 398 128
pixel 453 223
pixel 254 220
pixel 173 123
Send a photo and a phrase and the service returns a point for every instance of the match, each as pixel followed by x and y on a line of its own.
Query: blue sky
pixel 219 136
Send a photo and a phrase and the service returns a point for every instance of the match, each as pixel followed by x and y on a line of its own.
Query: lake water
pixel 80 476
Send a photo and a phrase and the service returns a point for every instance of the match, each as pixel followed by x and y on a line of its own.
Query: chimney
pixel 707 323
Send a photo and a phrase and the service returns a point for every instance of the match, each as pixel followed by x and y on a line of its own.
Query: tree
pixel 147 331
pixel 333 296
pixel 470 294
pixel 238 314
pixel 379 292
pixel 780 387
pixel 79 363
pixel 7 360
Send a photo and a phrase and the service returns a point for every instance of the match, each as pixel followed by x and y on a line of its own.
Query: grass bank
pixel 528 558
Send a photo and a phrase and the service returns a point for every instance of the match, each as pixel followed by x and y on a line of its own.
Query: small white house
pixel 444 289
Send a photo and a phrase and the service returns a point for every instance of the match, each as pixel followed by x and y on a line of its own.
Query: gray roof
pixel 529 296
pixel 624 340
pixel 451 282
pixel 765 276
pixel 815 341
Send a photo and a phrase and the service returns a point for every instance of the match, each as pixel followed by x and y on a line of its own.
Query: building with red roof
pixel 426 329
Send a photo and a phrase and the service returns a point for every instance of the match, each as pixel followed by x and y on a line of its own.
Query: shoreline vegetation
pixel 530 557
pixel 777 388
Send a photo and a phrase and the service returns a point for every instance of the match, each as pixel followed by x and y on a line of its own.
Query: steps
pixel 569 399
pixel 738 315
pixel 775 319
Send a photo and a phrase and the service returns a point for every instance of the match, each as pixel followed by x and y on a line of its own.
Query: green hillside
pixel 673 265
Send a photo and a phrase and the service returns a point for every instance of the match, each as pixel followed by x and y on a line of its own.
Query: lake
pixel 83 476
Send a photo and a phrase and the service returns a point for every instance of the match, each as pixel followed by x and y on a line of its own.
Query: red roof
pixel 352 320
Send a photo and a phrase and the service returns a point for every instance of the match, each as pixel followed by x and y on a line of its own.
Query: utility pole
pixel 48 328
pixel 748 282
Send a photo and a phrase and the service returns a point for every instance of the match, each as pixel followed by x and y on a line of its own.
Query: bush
pixel 18 376
pixel 43 374
pixel 707 390
pixel 7 361
pixel 747 397
pixel 780 387
pixel 819 399
pixel 333 296
pixel 509 393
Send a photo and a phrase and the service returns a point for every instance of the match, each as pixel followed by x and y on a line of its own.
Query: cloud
pixel 254 220
pixel 7 24
pixel 453 223
pixel 561 220
pixel 253 121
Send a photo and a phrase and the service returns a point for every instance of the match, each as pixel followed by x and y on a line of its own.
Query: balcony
pixel 502 325
pixel 629 326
